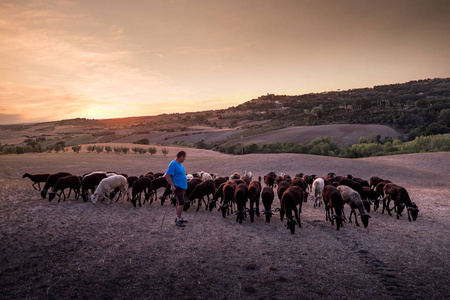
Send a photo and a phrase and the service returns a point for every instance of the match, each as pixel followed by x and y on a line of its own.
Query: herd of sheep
pixel 232 193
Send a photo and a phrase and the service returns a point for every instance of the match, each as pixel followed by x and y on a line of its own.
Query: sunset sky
pixel 62 59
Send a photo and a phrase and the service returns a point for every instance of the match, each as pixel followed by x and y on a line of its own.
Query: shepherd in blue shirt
pixel 176 177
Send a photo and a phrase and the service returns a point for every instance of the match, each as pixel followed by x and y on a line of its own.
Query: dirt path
pixel 74 249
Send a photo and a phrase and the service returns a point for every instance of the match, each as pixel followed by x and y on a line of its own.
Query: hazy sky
pixel 63 59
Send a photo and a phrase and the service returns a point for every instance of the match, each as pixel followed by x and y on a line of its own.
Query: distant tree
pixel 108 149
pixel 152 150
pixel 444 117
pixel 76 148
pixel 118 150
pixel 165 151
pixel 99 149
pixel 125 150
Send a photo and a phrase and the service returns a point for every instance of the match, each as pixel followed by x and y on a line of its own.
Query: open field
pixel 74 249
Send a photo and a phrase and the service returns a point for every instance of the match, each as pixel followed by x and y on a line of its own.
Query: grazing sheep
pixel 90 182
pixel 70 182
pixel 352 198
pixel 201 190
pixel 309 179
pixel 330 179
pixel 219 180
pixel 240 197
pixel 267 196
pixel 217 195
pixel 380 194
pixel 294 196
pixel 228 198
pixel 369 197
pixel 189 177
pixel 401 199
pixel 353 184
pixel 269 179
pixel 254 192
pixel 332 198
pixel 282 186
pixel 248 174
pixel 300 182
pixel 205 176
pixel 143 184
pixel 317 188
pixel 51 181
pixel 107 185
pixel 235 175
pixel 37 179
pixel 374 180
pixel 157 183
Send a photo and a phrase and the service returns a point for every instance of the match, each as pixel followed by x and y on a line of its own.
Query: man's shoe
pixel 181 220
pixel 180 224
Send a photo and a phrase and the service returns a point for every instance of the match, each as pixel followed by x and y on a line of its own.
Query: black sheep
pixel 143 184
pixel 292 197
pixel 51 181
pixel 240 197
pixel 37 178
pixel 90 182
pixel 267 196
pixel 228 198
pixel 70 182
pixel 203 189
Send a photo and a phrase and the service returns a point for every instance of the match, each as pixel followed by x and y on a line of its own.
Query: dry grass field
pixel 73 249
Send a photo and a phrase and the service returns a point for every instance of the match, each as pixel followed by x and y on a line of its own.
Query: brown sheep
pixel 267 196
pixel 333 200
pixel 401 199
pixel 294 196
pixel 254 192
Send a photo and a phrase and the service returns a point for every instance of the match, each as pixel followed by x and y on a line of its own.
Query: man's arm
pixel 169 180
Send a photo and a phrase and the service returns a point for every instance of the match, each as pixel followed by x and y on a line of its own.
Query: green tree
pixel 99 149
pixel 444 117
pixel 165 151
pixel 108 149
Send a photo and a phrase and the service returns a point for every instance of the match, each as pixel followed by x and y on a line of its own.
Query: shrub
pixel 165 151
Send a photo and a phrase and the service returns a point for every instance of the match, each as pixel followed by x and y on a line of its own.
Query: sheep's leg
pixel 297 217
pixel 34 187
pixel 199 203
pixel 356 219
pixel 207 202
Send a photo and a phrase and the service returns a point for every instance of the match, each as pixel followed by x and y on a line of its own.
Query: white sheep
pixel 248 174
pixel 317 188
pixel 352 198
pixel 189 177
pixel 205 176
pixel 108 185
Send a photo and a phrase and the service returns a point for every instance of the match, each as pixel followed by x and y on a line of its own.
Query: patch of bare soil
pixel 343 135
pixel 74 249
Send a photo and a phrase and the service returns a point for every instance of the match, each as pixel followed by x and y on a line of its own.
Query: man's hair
pixel 181 153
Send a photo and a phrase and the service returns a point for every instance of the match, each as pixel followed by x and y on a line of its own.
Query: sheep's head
pixel 413 211
pixel 94 198
pixel 51 196
pixel 43 193
pixel 365 219
pixel 186 205
pixel 268 214
pixel 366 204
pixel 291 225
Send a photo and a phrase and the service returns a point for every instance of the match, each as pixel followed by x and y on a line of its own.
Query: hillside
pixel 407 110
